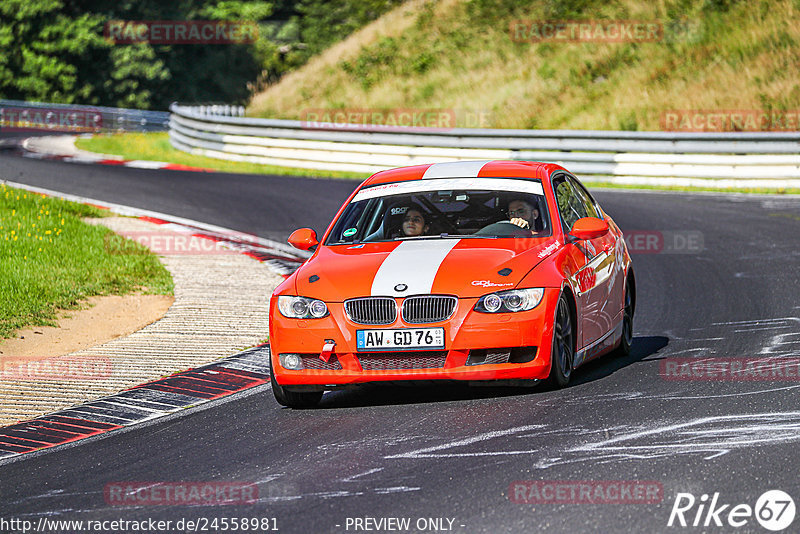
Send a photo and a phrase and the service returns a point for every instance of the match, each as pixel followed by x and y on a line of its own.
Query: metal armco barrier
pixel 69 118
pixel 749 159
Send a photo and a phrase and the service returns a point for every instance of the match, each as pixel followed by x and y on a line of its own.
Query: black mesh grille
pixel 503 355
pixel 497 355
pixel 428 308
pixel 376 361
pixel 371 310
pixel 313 361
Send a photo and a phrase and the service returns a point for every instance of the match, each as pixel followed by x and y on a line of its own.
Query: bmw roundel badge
pixel 400 287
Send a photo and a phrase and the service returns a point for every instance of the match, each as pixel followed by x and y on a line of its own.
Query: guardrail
pixel 66 118
pixel 750 159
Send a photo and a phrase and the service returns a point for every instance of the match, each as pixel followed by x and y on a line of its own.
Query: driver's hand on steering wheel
pixel 519 221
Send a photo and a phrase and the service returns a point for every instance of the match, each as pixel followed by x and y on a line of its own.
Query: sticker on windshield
pixel 349 232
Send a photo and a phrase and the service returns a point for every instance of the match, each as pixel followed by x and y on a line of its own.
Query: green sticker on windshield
pixel 349 232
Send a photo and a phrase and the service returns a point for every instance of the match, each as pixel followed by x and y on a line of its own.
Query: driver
pixel 523 214
pixel 414 223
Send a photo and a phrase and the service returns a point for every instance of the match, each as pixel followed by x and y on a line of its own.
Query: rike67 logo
pixel 774 510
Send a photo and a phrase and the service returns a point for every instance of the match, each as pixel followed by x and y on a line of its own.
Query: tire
pixel 562 354
pixel 625 342
pixel 292 399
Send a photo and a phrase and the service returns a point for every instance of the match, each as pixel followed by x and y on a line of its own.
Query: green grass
pixel 461 55
pixel 51 260
pixel 156 147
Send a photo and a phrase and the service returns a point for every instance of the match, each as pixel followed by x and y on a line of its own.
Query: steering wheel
pixel 504 229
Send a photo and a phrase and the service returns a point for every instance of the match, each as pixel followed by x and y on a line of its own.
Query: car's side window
pixel 352 224
pixel 583 196
pixel 374 216
pixel 570 205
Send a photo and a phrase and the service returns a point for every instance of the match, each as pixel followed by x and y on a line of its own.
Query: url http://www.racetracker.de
pixel 198 524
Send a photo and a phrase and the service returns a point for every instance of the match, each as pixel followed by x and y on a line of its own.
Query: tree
pixel 55 51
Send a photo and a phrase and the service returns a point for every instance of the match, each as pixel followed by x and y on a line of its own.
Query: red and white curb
pixel 100 159
pixel 139 404
pixel 165 396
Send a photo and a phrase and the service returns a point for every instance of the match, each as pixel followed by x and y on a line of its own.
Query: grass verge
pixel 481 61
pixel 51 260
pixel 155 147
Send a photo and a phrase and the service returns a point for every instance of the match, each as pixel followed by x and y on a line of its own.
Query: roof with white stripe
pixel 465 169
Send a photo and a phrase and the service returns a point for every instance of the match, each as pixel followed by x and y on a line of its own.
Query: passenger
pixel 414 223
pixel 524 214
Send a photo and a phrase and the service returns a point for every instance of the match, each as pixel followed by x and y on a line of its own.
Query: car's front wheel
pixel 563 350
pixel 293 399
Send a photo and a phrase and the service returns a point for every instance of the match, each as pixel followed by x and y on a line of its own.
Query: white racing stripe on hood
pixel 413 263
pixel 461 169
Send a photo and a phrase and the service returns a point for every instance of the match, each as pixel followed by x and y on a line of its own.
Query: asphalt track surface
pixel 451 451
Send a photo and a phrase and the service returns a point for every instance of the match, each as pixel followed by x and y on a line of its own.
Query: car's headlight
pixel 514 300
pixel 302 307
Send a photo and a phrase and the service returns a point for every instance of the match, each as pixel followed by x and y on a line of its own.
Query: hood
pixel 462 267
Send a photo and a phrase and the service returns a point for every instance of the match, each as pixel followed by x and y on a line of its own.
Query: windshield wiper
pixel 407 238
pixel 445 236
pixel 469 236
pixel 458 236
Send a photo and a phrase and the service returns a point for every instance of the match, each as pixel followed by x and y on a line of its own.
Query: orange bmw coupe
pixel 501 271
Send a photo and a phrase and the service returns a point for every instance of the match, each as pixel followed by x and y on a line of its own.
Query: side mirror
pixel 304 239
pixel 588 228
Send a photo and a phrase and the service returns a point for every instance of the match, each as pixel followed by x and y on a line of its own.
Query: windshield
pixel 444 209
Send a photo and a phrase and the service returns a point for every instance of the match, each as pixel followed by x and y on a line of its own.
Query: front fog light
pixel 291 361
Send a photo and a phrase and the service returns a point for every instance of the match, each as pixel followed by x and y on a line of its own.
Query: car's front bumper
pixel 467 330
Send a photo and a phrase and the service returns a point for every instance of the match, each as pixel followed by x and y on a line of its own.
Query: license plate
pixel 400 339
